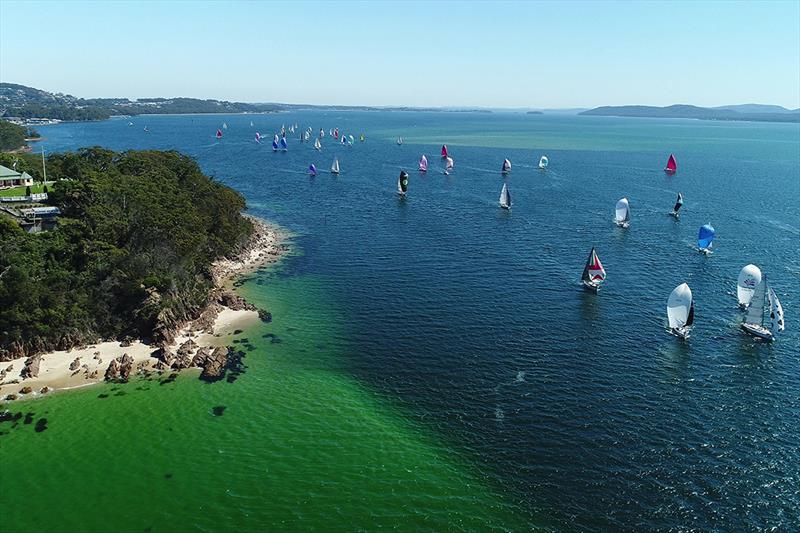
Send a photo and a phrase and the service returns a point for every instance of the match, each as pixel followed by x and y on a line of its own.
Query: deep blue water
pixel 579 407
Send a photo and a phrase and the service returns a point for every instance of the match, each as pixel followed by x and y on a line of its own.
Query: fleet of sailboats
pixel 505 197
pixel 680 311
pixel 622 214
pixel 749 278
pixel 593 272
pixel 764 298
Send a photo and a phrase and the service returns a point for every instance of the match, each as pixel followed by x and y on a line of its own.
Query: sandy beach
pixel 80 367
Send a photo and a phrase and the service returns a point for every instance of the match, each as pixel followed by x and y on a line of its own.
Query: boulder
pixel 45 390
pixel 187 348
pixel 125 367
pixel 112 372
pixel 31 368
pixel 265 315
pixel 214 368
pixel 26 390
pixel 75 364
pixel 233 301
pixel 200 357
pixel 11 397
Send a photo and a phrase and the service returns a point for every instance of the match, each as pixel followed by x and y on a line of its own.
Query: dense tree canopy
pixel 12 136
pixel 131 251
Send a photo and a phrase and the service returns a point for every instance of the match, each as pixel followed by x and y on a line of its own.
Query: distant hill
pixel 690 111
pixel 757 108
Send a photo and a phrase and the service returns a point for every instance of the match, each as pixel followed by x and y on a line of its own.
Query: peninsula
pixel 745 112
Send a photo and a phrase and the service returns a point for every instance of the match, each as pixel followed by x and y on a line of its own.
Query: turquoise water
pixel 438 365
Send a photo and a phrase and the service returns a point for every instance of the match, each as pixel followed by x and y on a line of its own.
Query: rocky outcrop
pixel 264 315
pixel 75 364
pixel 201 356
pixel 234 301
pixel 26 390
pixel 31 368
pixel 112 372
pixel 214 367
pixel 125 367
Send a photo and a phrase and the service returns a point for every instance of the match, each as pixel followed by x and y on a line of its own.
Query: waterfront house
pixel 11 178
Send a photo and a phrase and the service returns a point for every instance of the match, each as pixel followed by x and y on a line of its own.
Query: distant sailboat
pixel 402 183
pixel 258 138
pixel 705 238
pixel 251 123
pixel 448 165
pixel 680 311
pixel 399 140
pixel 312 170
pixel 317 144
pixel 678 204
pixel 321 133
pixel 130 123
pixel 506 166
pixel 219 134
pixel 593 272
pixel 146 130
pixel 362 138
pixel 543 162
pixel 754 322
pixel 224 125
pixel 505 197
pixel 749 278
pixel 343 139
pixel 350 139
pixel 672 165
pixel 275 144
pixel 423 163
pixel 284 147
pixel 335 166
pixel 622 215
pixel 444 151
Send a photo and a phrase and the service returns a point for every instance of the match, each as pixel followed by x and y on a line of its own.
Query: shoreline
pixel 200 343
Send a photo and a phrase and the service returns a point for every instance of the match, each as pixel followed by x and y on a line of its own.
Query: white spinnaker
pixel 622 211
pixel 749 278
pixel 678 305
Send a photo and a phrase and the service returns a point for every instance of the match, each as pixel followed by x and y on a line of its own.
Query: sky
pixel 498 54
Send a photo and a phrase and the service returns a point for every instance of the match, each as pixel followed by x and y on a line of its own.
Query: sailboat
pixel 224 125
pixel 317 144
pixel 672 165
pixel 678 204
pixel 399 140
pixel 312 170
pixel 423 163
pixel 593 272
pixel 543 162
pixel 705 238
pixel 275 144
pixel 749 278
pixel 350 139
pixel 335 166
pixel 284 147
pixel 362 138
pixel 251 123
pixel 622 216
pixel 258 138
pixel 754 323
pixel 146 130
pixel 402 183
pixel 219 134
pixel 506 166
pixel 505 197
pixel 321 133
pixel 444 151
pixel 343 139
pixel 680 311
pixel 448 165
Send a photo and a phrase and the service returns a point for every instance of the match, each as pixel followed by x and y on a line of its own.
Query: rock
pixel 96 355
pixel 112 372
pixel 200 357
pixel 214 368
pixel 161 366
pixel 44 390
pixel 31 369
pixel 25 390
pixel 182 361
pixel 75 364
pixel 9 368
pixel 233 301
pixel 187 348
pixel 94 374
pixel 265 315
pixel 11 397
pixel 126 342
pixel 125 367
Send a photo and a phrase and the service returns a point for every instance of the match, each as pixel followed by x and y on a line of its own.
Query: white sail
pixel 449 164
pixel 775 311
pixel 335 166
pixel 317 144
pixel 623 212
pixel 543 162
pixel 749 278
pixel 679 304
pixel 755 313
pixel 505 197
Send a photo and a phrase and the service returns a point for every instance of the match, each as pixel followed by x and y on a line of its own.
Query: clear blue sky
pixel 537 54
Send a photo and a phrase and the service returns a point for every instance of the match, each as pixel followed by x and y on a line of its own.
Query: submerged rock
pixel 218 410
pixel 265 315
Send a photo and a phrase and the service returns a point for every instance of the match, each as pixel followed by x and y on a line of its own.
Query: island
pixel 744 112
pixel 134 276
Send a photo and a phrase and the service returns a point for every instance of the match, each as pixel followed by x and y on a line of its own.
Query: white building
pixel 11 178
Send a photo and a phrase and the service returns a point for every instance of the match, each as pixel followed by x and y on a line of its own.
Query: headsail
pixel 258 138
pixel 423 163
pixel 506 166
pixel 402 183
pixel 775 311
pixel 749 278
pixel 672 165
pixel 593 270
pixel 705 237
pixel 623 211
pixel 679 306
pixel 505 197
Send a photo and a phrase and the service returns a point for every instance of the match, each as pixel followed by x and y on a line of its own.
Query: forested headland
pixel 130 256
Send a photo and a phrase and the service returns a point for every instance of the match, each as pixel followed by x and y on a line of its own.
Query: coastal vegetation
pixel 130 257
pixel 12 136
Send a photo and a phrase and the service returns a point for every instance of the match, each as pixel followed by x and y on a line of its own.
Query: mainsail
pixel 680 311
pixel 749 278
pixel 423 163
pixel 543 162
pixel 506 166
pixel 705 237
pixel 623 211
pixel 335 166
pixel 755 313
pixel 448 164
pixel 672 165
pixel 219 134
pixel 402 183
pixel 505 197
pixel 284 147
pixel 275 144
pixel 317 144
pixel 258 138
pixel 678 203
pixel 593 270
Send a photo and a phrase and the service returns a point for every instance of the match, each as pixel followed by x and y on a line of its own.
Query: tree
pixel 28 190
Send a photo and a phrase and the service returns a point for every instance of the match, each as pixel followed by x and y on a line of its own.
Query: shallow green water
pixel 300 445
